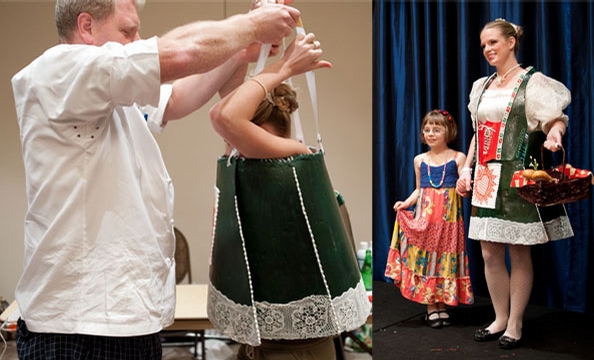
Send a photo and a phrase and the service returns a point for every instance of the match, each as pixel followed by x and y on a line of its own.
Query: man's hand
pixel 274 22
pixel 257 3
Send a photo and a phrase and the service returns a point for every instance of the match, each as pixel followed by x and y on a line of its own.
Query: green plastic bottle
pixel 366 270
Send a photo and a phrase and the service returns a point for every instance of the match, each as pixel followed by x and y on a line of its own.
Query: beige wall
pixel 190 147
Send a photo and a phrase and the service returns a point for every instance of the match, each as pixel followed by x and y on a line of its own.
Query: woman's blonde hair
pixel 508 29
pixel 277 112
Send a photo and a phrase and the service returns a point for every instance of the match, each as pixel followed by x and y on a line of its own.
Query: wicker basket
pixel 565 190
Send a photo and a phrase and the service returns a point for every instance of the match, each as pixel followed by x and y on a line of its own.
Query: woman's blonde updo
pixel 508 29
pixel 277 112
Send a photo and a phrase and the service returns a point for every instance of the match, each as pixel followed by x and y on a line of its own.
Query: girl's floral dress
pixel 427 257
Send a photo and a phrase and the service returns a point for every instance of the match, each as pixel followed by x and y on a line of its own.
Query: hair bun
pixel 285 98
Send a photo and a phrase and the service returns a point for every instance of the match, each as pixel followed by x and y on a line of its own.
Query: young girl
pixel 427 257
pixel 258 248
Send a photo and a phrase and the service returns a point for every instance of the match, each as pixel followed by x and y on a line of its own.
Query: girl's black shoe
pixel 445 320
pixel 434 322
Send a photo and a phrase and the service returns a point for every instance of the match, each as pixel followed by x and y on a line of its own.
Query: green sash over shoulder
pixel 282 266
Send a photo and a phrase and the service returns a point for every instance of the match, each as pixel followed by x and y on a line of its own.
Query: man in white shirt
pixel 99 271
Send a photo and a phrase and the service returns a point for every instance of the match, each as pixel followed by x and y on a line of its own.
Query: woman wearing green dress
pixel 507 138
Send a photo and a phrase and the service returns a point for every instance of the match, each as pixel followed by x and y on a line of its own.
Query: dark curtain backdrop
pixel 426 56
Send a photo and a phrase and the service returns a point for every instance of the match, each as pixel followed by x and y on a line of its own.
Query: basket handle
pixel 560 147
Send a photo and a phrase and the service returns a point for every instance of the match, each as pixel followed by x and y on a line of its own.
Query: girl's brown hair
pixel 443 118
pixel 277 112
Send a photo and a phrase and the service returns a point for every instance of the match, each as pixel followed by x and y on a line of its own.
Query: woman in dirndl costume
pixel 268 292
pixel 508 138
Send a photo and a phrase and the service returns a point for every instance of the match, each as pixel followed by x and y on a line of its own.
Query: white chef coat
pixel 99 243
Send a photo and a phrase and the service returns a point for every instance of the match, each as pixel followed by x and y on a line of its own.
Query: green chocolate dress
pixel 282 265
pixel 538 101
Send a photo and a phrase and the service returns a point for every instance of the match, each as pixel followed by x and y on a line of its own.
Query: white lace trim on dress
pixel 515 233
pixel 308 318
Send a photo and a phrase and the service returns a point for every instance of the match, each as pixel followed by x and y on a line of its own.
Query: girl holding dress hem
pixel 427 257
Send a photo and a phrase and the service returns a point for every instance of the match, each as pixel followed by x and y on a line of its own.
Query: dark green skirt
pixel 514 220
pixel 282 266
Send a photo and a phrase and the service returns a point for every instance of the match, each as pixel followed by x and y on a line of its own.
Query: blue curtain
pixel 426 55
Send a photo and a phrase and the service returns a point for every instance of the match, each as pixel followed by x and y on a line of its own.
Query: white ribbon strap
pixel 311 84
pixel 265 49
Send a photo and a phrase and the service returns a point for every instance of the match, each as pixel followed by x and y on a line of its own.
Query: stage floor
pixel 399 332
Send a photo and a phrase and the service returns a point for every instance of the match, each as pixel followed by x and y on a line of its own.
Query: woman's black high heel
pixel 506 342
pixel 485 335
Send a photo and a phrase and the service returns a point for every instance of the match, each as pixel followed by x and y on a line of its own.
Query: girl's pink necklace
pixel 429 173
